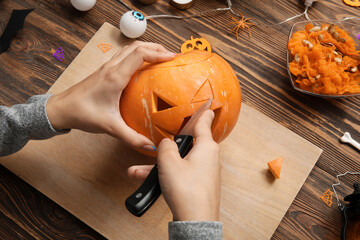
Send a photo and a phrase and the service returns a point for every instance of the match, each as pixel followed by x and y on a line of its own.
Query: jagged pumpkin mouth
pixel 160 104
pixel 167 134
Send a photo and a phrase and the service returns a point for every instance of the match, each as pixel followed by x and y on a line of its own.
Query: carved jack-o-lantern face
pixel 160 98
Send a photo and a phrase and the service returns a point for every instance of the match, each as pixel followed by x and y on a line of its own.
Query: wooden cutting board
pixel 86 173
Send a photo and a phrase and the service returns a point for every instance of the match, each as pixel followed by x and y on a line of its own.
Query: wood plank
pixel 86 173
pixel 49 221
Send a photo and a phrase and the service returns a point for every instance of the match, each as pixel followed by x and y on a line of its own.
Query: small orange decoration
pixel 160 98
pixel 241 24
pixel 353 3
pixel 327 197
pixel 195 44
pixel 105 47
pixel 275 167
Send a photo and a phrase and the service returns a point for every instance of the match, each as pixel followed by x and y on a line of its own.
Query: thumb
pixel 168 153
pixel 139 172
pixel 202 129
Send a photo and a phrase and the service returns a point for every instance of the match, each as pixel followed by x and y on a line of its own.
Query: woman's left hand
pixel 93 105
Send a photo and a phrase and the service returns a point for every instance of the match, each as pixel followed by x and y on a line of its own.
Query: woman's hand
pixel 191 186
pixel 93 104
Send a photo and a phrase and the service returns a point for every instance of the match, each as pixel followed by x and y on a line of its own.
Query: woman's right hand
pixel 190 185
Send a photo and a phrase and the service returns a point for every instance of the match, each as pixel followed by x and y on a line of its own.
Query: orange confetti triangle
pixel 105 47
pixel 327 197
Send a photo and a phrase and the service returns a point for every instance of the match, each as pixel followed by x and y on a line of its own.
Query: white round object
pixel 182 4
pixel 83 5
pixel 133 24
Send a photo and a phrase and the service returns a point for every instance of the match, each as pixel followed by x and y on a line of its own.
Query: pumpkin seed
pixel 315 29
pixel 307 43
pixel 331 28
pixel 297 58
pixel 343 40
pixel 338 60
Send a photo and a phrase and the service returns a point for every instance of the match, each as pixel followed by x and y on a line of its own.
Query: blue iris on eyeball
pixel 138 15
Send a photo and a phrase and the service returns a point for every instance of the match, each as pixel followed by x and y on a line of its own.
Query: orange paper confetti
pixel 327 197
pixel 105 47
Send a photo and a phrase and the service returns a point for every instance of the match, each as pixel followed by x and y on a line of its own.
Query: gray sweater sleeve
pixel 188 230
pixel 23 122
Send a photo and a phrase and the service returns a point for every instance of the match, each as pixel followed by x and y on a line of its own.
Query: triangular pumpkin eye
pixel 204 93
pixel 160 103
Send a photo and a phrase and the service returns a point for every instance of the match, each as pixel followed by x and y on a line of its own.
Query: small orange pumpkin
pixel 353 3
pixel 195 44
pixel 160 98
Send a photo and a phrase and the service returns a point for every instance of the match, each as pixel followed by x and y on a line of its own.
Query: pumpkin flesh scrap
pixel 275 167
pixel 323 66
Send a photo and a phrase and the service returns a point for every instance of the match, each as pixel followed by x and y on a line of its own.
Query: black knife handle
pixel 184 143
pixel 142 199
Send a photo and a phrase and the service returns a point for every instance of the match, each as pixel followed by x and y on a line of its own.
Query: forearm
pixel 194 230
pixel 23 122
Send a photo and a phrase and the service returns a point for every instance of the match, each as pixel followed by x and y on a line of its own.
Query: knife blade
pixel 142 199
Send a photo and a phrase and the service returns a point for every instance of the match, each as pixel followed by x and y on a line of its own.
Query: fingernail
pixel 149 148
pixel 166 139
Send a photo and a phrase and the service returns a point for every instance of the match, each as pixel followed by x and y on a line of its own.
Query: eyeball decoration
pixel 133 24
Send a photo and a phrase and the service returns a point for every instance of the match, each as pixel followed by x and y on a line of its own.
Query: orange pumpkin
pixel 160 98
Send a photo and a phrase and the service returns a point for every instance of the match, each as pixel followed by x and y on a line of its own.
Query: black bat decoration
pixel 15 23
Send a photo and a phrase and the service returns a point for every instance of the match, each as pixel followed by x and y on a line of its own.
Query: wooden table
pixel 28 68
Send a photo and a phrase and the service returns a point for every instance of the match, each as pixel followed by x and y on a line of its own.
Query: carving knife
pixel 142 199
